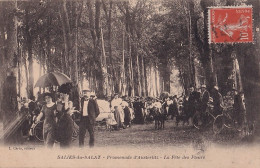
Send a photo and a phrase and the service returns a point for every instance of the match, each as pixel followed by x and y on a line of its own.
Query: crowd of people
pixel 195 105
pixel 56 110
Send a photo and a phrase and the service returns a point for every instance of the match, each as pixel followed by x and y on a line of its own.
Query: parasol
pixel 52 79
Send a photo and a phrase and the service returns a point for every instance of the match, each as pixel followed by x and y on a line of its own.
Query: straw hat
pixel 203 86
pixel 216 87
pixel 92 94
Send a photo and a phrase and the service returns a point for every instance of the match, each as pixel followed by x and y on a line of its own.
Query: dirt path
pixel 146 136
pixel 139 136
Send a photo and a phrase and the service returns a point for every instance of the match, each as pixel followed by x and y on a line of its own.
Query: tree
pixel 94 23
pixel 248 59
pixel 171 39
pixel 8 61
pixel 108 15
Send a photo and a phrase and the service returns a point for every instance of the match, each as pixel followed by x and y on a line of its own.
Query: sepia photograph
pixel 130 83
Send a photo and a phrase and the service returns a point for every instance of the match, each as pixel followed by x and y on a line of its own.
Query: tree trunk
pixel 65 55
pixel 26 72
pixel 143 91
pixel 156 74
pixel 94 25
pixel 150 82
pixel 104 65
pixel 166 82
pixel 75 70
pixel 165 71
pixel 129 32
pixel 191 59
pixel 68 36
pixel 2 59
pixel 48 49
pixel 132 74
pixel 203 45
pixel 19 69
pixel 145 78
pixel 249 68
pixel 249 61
pixel 182 81
pixel 111 70
pixel 8 100
pixel 137 76
pixel 123 91
pixel 29 43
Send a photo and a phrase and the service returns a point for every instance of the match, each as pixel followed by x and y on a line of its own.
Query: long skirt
pixel 65 130
pixel 127 119
pixel 117 118
pixel 49 136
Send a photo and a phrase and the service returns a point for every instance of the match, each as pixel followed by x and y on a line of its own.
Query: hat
pixel 92 94
pixel 203 86
pixel 84 91
pixel 48 94
pixel 216 87
pixel 65 88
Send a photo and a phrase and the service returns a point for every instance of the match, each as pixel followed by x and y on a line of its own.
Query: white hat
pixel 203 86
pixel 92 94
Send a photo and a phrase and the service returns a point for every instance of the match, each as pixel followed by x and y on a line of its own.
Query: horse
pixel 159 116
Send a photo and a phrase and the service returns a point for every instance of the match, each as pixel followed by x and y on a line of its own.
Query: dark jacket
pixel 218 103
pixel 204 101
pixel 93 110
pixel 194 97
pixel 205 97
pixel 193 102
pixel 127 118
pixel 238 109
pixel 217 100
pixel 173 108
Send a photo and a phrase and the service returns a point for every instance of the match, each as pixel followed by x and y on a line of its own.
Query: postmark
pixel 231 24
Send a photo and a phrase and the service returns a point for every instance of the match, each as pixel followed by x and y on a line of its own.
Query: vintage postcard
pixel 130 83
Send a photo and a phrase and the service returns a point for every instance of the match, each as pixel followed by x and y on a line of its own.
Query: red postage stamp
pixel 230 24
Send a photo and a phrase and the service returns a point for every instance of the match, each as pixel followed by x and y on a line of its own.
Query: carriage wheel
pixel 38 131
pixel 218 124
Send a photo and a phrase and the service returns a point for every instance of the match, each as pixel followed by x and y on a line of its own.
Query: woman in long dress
pixel 127 114
pixel 65 122
pixel 49 125
pixel 117 117
pixel 116 108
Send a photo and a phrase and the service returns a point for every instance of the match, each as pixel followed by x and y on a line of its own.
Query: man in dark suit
pixel 204 103
pixel 217 101
pixel 204 96
pixel 89 113
pixel 193 100
pixel 193 105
